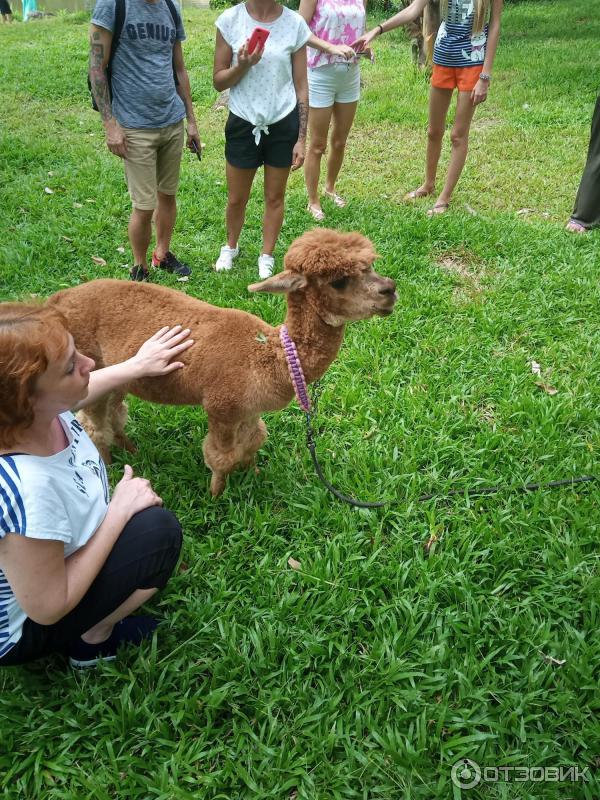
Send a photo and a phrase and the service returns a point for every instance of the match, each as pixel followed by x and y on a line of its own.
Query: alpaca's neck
pixel 317 342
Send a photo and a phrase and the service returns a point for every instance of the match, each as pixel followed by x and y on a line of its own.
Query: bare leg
pixel 103 629
pixel 239 184
pixel 275 183
pixel 439 102
pixel 343 117
pixel 460 145
pixel 166 214
pixel 140 231
pixel 318 126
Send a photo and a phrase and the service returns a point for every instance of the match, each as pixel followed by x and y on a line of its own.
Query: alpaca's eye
pixel 341 283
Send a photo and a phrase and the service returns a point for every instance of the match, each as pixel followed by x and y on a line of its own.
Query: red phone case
pixel 258 37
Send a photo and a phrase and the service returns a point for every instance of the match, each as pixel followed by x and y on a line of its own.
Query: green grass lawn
pixel 368 673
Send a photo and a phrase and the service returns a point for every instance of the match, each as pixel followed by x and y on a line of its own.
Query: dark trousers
pixel 587 202
pixel 144 556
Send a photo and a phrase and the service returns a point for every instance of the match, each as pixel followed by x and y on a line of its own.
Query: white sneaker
pixel 265 266
pixel 225 260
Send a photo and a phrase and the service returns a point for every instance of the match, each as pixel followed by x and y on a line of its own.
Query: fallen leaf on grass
pixel 470 210
pixel 293 563
pixel 551 390
pixel 294 794
pixel 51 174
pixel 556 662
pixel 430 542
pixel 48 190
pixel 535 368
pixel 98 260
pixel 120 249
pixel 77 205
pixel 89 200
pixel 66 238
pixel 183 567
pixel 523 211
pixel 183 279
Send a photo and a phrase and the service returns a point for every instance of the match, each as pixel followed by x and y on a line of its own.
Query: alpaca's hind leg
pixel 251 436
pixel 97 423
pixel 118 415
pixel 229 446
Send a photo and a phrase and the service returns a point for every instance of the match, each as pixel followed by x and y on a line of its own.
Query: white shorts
pixel 333 83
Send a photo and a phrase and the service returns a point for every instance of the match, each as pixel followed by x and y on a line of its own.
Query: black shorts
pixel 274 148
pixel 143 557
pixel 5 7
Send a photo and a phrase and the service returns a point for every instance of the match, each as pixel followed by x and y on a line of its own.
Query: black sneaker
pixel 172 264
pixel 131 630
pixel 139 273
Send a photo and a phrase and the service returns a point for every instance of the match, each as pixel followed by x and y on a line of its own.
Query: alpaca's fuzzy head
pixel 333 273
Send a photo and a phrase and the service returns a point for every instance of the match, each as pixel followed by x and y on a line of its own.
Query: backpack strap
pixel 176 20
pixel 119 22
pixel 173 11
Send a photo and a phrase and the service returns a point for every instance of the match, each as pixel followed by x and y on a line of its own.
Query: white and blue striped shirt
pixel 455 45
pixel 62 497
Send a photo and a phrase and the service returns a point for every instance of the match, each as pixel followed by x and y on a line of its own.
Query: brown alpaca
pixel 237 368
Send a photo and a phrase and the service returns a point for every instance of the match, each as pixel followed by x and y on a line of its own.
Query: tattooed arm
pixel 100 42
pixel 301 86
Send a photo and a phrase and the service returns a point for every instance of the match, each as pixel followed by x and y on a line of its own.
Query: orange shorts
pixel 461 78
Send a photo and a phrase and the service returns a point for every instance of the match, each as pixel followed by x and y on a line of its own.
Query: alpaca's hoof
pixel 125 442
pixel 105 454
pixel 217 485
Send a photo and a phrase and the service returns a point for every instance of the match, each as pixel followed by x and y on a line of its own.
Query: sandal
pixel 575 227
pixel 416 194
pixel 439 208
pixel 316 213
pixel 337 200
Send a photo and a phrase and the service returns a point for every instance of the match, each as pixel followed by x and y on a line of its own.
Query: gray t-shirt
pixel 143 87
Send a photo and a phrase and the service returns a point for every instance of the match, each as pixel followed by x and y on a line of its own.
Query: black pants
pixel 587 203
pixel 144 556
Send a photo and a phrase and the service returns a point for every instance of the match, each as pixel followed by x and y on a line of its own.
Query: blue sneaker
pixel 131 630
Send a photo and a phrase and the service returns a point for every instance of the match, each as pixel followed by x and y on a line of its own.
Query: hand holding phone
pixel 257 39
pixel 197 149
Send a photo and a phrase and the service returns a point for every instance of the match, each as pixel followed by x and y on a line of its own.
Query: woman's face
pixel 65 381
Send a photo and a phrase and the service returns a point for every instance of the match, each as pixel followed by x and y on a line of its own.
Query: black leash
pixel 311 443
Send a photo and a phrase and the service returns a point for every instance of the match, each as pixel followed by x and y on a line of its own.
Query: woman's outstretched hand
pixel 155 356
pixel 364 41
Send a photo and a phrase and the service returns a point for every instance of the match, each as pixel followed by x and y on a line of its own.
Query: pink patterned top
pixel 338 22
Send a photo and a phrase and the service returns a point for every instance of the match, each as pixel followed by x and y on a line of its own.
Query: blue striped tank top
pixel 455 45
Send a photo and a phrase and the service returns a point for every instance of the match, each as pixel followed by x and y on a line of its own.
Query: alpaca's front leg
pixel 229 446
pixel 97 423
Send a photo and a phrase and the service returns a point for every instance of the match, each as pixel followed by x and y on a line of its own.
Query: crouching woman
pixel 74 563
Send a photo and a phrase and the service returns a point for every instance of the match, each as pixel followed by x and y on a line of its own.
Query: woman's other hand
pixel 480 92
pixel 133 494
pixel 155 356
pixel 298 154
pixel 343 51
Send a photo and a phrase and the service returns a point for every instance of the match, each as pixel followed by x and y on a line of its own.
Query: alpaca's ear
pixel 282 282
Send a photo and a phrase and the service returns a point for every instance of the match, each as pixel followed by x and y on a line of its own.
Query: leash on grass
pixel 310 413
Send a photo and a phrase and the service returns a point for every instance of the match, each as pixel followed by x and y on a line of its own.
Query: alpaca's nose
pixel 389 287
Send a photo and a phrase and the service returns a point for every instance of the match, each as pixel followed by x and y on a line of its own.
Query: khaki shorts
pixel 152 163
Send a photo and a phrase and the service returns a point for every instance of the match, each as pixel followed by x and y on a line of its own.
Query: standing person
pixel 143 103
pixel 334 90
pixel 6 11
pixel 74 563
pixel 463 58
pixel 268 105
pixel 586 213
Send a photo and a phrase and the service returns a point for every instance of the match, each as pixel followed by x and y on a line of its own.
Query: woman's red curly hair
pixel 30 337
